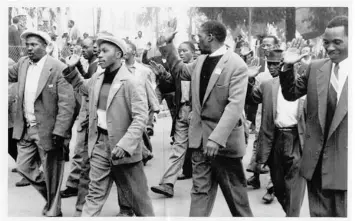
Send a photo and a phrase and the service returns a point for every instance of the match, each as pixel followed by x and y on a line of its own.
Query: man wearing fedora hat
pixel 118 113
pixel 281 137
pixel 44 111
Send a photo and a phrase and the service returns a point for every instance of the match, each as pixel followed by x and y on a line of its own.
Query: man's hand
pixel 73 61
pixel 166 39
pixel 211 149
pixel 253 71
pixel 118 153
pixel 158 69
pixel 57 141
pixel 292 54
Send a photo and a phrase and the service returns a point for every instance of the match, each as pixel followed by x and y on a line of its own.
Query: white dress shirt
pixel 286 111
pixel 33 74
pixel 220 51
pixel 338 84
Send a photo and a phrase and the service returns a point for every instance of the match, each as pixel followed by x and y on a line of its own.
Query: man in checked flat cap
pixel 118 114
pixel 44 111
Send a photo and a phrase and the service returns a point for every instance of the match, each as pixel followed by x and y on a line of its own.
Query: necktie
pixel 332 98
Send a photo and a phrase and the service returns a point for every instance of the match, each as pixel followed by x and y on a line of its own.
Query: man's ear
pixel 210 37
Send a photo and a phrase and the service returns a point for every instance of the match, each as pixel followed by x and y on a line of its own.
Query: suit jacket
pixel 334 160
pixel 126 111
pixel 142 75
pixel 219 118
pixel 266 94
pixel 54 103
pixel 14 36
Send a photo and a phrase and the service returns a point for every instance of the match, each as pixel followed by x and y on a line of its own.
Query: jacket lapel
pixel 123 73
pixel 323 76
pixel 97 87
pixel 22 79
pixel 43 78
pixel 215 75
pixel 341 109
pixel 195 80
pixel 275 92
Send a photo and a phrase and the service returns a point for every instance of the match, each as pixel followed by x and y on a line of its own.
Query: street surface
pixel 26 201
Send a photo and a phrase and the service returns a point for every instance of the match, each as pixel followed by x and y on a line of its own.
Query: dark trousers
pixel 12 144
pixel 284 163
pixel 187 167
pixel 207 174
pixel 30 156
pixel 325 203
pixel 170 101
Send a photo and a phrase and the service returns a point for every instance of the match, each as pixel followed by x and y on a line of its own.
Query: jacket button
pixel 308 136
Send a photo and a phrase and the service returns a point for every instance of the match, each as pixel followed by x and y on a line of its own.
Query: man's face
pixel 335 43
pixel 185 53
pixel 109 54
pixel 71 46
pixel 203 42
pixel 267 45
pixel 140 34
pixel 272 66
pixel 70 25
pixel 131 53
pixel 87 49
pixel 22 22
pixel 36 49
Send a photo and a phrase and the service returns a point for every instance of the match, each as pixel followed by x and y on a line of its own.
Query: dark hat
pixel 274 56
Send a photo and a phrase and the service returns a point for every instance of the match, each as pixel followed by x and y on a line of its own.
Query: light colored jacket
pixel 126 111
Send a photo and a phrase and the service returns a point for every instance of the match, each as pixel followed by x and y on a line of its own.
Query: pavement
pixel 27 202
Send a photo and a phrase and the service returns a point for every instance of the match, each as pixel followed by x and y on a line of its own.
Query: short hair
pixel 15 20
pixel 93 40
pixel 276 41
pixel 190 44
pixel 71 21
pixel 128 42
pixel 217 29
pixel 339 21
pixel 43 41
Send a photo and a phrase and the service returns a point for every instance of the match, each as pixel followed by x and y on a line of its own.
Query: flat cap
pixel 41 34
pixel 114 40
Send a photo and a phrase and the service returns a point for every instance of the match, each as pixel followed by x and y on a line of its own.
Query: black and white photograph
pixel 120 109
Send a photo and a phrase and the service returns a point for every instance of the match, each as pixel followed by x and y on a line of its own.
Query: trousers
pixel 130 181
pixel 226 172
pixel 47 182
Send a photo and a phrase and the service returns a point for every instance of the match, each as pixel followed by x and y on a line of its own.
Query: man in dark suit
pixel 218 86
pixel 325 154
pixel 44 111
pixel 281 137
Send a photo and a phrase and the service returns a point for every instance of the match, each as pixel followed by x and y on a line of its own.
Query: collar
pixel 220 51
pixel 39 63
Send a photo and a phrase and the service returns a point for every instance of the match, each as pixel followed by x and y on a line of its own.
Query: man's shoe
pixel 254 182
pixel 165 189
pixel 150 132
pixel 184 177
pixel 69 192
pixel 125 213
pixel 22 182
pixel 268 198
pixel 147 158
pixel 14 170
